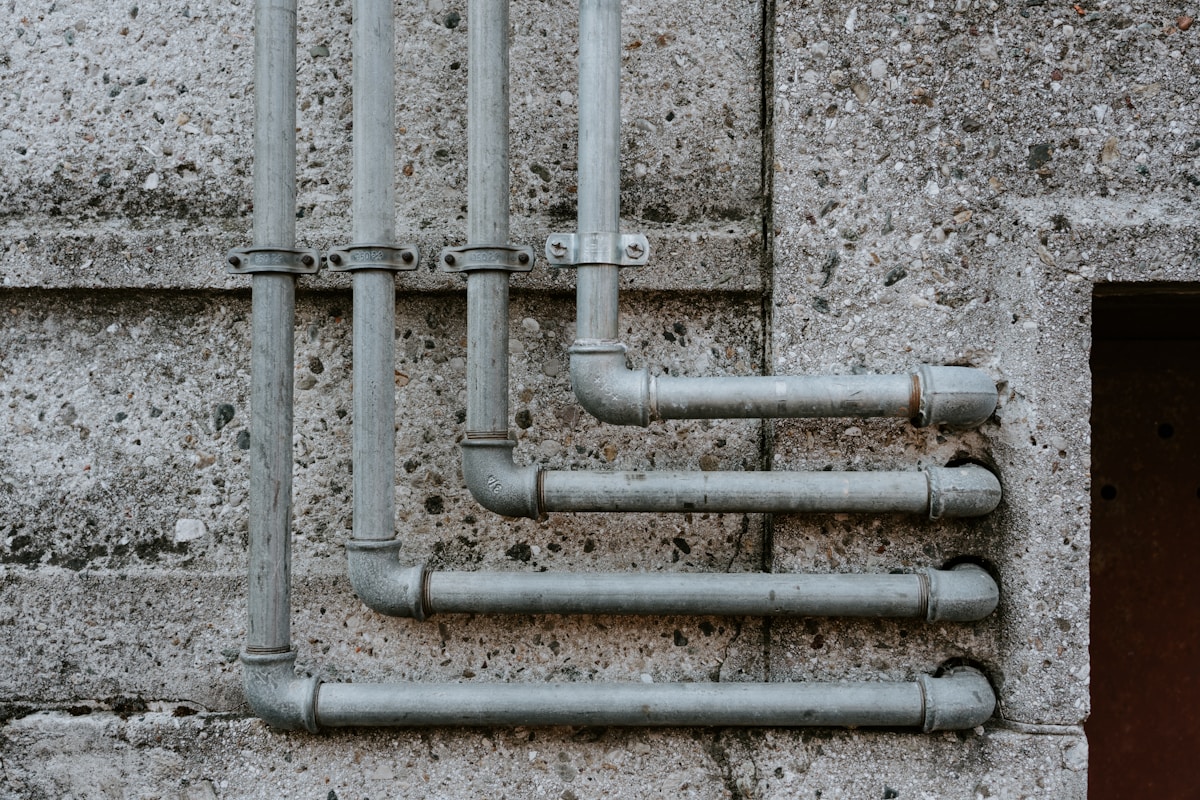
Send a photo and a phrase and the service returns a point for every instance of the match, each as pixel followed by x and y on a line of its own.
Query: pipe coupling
pixel 277 695
pixel 959 396
pixel 959 700
pixel 382 583
pixel 966 491
pixel 606 388
pixel 496 482
pixel 966 593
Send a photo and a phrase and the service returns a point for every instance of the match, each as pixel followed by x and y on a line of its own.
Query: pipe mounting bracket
pixel 476 258
pixel 618 249
pixel 292 260
pixel 353 257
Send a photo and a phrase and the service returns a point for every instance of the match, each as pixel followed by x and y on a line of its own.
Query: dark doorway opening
pixel 1144 730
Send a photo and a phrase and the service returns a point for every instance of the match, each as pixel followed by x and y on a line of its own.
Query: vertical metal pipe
pixel 373 205
pixel 273 309
pixel 374 116
pixel 487 216
pixel 275 123
pixel 487 123
pixel 487 354
pixel 599 161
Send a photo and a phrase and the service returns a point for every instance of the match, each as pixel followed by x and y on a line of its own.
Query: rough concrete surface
pixel 101 756
pixel 827 188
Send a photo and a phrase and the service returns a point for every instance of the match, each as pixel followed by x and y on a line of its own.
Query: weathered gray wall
pixel 937 182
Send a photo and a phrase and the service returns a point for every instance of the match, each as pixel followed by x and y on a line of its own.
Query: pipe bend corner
pixel 382 583
pixel 959 700
pixel 966 491
pixel 277 695
pixel 959 396
pixel 606 388
pixel 966 593
pixel 496 482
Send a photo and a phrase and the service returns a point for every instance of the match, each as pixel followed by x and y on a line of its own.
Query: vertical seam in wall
pixel 767 273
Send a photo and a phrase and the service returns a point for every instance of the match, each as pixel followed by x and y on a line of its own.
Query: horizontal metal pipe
pixel 501 486
pixel 963 594
pixel 967 595
pixel 785 396
pixel 952 395
pixel 961 699
pixel 612 392
pixel 976 491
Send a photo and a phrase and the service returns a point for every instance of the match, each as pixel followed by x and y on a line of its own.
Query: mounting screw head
pixel 234 261
pixel 449 259
pixel 407 257
pixel 523 258
pixel 306 260
pixel 335 258
pixel 558 247
pixel 634 250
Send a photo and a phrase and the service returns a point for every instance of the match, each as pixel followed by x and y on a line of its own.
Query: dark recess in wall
pixel 1144 731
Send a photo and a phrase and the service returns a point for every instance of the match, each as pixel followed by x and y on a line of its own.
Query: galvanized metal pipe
pixel 487 217
pixel 373 206
pixel 964 594
pixel 934 595
pixel 284 700
pixel 273 313
pixel 270 502
pixel 613 393
pixel 961 699
pixel 599 163
pixel 488 468
pixel 767 492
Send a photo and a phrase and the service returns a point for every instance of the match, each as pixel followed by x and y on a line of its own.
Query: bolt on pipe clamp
pixel 291 260
pixel 354 257
pixel 617 249
pixel 476 258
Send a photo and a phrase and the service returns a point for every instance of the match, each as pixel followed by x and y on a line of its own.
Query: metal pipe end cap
pixel 966 593
pixel 959 700
pixel 959 396
pixel 966 491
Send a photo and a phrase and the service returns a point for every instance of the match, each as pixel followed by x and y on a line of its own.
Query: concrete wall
pixel 833 187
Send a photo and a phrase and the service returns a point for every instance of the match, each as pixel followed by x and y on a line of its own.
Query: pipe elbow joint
pixel 966 491
pixel 960 396
pixel 496 482
pixel 277 695
pixel 966 593
pixel 606 389
pixel 382 583
pixel 960 699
